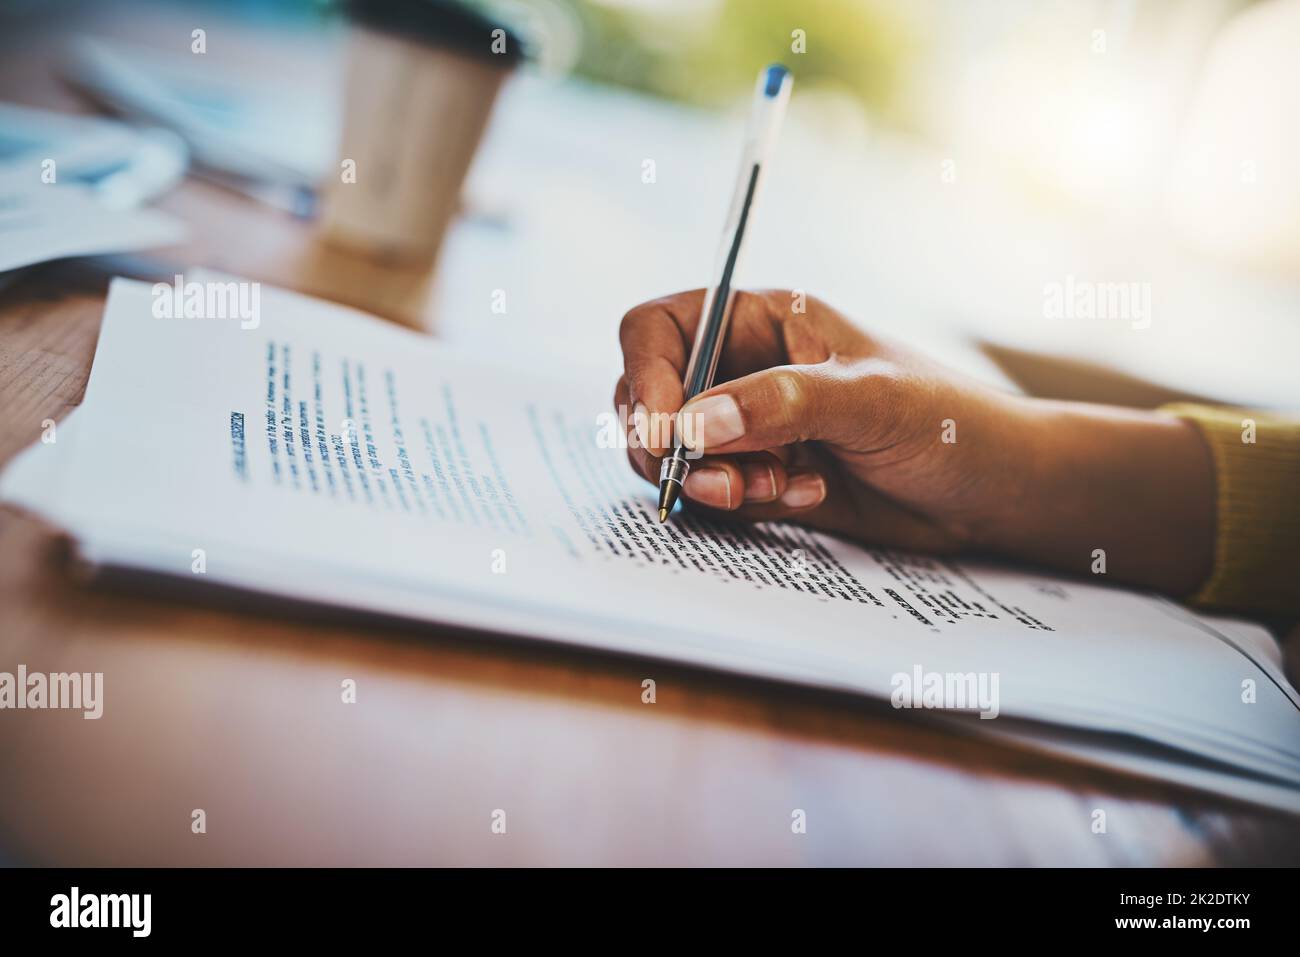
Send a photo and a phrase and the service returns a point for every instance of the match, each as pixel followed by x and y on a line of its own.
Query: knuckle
pixel 633 321
pixel 789 399
pixel 777 304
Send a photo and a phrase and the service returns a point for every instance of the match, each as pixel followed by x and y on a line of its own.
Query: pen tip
pixel 663 515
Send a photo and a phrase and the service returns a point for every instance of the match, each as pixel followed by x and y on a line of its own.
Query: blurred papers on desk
pixel 245 132
pixel 70 185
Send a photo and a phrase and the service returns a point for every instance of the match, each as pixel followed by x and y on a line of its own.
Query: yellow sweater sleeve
pixel 1257 539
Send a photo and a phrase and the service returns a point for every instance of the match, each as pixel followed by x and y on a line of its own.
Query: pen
pixel 770 97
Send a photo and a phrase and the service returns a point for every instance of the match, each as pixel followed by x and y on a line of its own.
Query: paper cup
pixel 421 81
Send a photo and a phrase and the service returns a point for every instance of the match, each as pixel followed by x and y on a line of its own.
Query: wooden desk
pixel 238 711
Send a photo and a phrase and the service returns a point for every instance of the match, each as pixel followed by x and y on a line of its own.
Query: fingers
pixel 826 502
pixel 655 337
pixel 718 483
pixel 729 483
pixel 792 488
pixel 644 462
pixel 854 405
pixel 721 483
pixel 765 478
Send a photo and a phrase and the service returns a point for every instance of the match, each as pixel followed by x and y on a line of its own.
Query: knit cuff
pixel 1257 536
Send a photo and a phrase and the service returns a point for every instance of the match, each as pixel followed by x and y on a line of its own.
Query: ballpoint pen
pixel 770 98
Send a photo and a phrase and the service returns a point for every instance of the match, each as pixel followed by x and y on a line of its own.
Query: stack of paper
pixel 70 185
pixel 259 439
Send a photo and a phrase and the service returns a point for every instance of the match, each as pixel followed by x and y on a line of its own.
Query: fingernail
pixel 709 487
pixel 760 482
pixel 804 491
pixel 711 422
pixel 641 424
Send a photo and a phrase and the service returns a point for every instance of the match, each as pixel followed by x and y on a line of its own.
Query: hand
pixel 816 421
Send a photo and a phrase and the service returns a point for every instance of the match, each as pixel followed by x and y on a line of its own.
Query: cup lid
pixel 441 23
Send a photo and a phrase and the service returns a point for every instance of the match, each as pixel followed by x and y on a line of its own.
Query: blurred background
pixel 946 165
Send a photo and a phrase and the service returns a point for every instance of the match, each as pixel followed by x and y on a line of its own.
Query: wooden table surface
pixel 237 710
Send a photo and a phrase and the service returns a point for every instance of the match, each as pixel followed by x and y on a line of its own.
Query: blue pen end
pixel 775 76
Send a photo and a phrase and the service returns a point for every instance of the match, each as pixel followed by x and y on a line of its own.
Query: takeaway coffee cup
pixel 422 78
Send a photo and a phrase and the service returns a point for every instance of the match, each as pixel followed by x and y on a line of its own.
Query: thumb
pixel 830 402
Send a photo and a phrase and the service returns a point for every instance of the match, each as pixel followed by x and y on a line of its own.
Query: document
pixel 43 221
pixel 263 440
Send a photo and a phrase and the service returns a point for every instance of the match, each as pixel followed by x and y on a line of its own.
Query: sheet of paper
pixel 1134 756
pixel 314 452
pixel 43 221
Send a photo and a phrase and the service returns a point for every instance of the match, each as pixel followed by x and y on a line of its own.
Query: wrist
pixel 1011 467
pixel 1124 494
